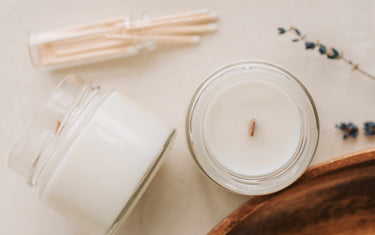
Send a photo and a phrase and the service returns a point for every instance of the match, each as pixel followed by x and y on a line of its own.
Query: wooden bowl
pixel 335 197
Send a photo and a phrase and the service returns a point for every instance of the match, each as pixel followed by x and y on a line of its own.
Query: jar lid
pixel 32 150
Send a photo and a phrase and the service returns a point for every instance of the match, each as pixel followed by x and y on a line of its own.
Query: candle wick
pixel 58 126
pixel 251 127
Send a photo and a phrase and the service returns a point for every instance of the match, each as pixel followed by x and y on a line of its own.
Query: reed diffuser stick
pixel 200 19
pixel 190 29
pixel 90 47
pixel 193 39
pixel 181 15
pixel 91 55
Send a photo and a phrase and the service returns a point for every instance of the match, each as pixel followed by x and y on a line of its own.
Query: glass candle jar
pixel 91 153
pixel 252 128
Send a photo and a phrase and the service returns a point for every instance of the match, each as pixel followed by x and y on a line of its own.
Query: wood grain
pixel 335 197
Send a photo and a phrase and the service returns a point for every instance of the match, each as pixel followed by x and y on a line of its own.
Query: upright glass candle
pixel 252 128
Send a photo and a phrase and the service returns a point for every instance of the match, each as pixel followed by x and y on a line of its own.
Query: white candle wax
pixel 246 160
pixel 277 127
pixel 105 164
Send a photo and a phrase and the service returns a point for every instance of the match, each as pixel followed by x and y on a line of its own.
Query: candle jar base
pixel 125 213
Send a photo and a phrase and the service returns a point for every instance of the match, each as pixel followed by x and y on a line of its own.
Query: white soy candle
pixel 277 128
pixel 252 127
pixel 92 154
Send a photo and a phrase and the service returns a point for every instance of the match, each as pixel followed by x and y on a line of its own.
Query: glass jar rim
pixel 229 180
pixel 47 126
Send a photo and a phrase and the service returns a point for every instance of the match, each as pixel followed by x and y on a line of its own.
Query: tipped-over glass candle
pixel 252 127
pixel 91 153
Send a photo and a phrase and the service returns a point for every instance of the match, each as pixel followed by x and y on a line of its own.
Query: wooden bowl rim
pixel 338 163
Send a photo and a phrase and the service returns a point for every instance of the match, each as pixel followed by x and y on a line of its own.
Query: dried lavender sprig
pixel 349 129
pixel 331 52
pixel 369 128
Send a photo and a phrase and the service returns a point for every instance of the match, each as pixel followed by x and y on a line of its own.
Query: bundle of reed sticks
pixel 121 37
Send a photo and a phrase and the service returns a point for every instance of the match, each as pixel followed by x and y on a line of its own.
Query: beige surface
pixel 181 200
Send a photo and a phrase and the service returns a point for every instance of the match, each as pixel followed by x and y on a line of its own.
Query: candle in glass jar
pixel 260 106
pixel 105 164
pixel 252 127
pixel 92 153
